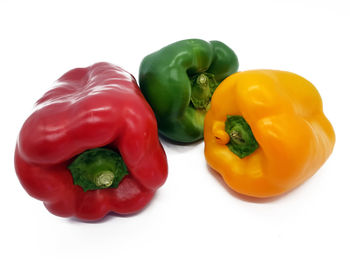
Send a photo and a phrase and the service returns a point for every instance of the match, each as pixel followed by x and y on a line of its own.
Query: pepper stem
pixel 105 179
pixel 202 88
pixel 242 141
pixel 98 168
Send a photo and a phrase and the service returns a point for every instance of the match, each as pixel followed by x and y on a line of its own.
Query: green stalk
pixel 242 141
pixel 203 86
pixel 98 168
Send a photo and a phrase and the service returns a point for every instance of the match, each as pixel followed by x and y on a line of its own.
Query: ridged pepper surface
pixel 178 82
pixel 266 132
pixel 91 146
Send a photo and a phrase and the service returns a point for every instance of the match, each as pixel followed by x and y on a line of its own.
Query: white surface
pixel 194 217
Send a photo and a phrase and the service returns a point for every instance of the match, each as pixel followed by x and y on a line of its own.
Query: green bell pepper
pixel 178 82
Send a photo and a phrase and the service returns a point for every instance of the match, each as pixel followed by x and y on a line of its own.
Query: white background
pixel 193 217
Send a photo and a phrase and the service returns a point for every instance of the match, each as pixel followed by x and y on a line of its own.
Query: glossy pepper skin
pixel 285 115
pixel 178 82
pixel 98 107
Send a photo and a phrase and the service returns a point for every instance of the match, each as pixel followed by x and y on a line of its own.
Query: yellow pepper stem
pixel 242 141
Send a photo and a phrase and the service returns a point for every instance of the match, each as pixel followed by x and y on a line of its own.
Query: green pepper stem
pixel 97 169
pixel 242 141
pixel 202 88
pixel 203 81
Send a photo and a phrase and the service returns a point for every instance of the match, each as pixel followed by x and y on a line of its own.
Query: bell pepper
pixel 91 146
pixel 178 82
pixel 265 132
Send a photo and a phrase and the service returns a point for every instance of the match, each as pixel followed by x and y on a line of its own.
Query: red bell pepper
pixel 91 146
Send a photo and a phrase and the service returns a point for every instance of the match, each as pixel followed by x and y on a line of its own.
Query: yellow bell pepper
pixel 265 132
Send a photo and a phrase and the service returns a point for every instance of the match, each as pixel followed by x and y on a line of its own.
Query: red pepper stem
pixel 104 179
pixel 98 168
